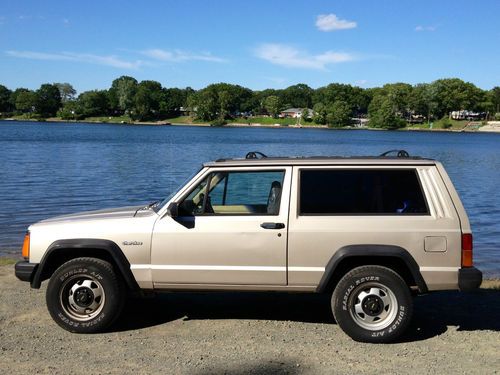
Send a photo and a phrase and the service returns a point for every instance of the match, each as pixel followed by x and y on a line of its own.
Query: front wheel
pixel 372 304
pixel 84 295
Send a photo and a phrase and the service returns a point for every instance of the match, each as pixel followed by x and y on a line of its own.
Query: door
pixel 231 229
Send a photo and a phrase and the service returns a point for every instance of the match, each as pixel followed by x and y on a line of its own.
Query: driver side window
pixel 193 204
pixel 235 193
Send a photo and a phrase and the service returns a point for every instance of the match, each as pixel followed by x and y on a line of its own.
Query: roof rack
pixel 255 155
pixel 399 153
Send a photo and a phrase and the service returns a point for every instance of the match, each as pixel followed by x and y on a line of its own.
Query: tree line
pixel 389 106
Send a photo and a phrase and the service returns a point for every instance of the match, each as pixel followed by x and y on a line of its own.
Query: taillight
pixel 466 250
pixel 26 246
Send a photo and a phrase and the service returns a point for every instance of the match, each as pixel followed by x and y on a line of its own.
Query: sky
pixel 256 44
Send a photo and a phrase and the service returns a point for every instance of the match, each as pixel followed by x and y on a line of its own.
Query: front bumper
pixel 469 278
pixel 25 270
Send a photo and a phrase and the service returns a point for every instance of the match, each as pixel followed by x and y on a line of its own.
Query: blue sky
pixel 257 44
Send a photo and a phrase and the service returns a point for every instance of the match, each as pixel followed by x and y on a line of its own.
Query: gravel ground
pixel 242 333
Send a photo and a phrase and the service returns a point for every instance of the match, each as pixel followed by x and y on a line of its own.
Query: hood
pixel 110 213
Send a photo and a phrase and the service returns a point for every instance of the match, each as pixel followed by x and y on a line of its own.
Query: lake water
pixel 49 169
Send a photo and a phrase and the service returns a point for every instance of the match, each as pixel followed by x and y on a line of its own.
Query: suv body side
pixel 229 252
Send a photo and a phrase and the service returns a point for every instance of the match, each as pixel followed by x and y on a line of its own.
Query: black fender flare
pixel 369 250
pixel 108 247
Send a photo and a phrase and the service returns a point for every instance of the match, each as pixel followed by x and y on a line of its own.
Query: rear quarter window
pixel 361 192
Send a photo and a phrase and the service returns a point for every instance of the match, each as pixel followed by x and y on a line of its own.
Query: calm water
pixel 48 169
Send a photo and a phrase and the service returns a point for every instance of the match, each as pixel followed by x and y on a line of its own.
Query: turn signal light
pixel 26 246
pixel 466 250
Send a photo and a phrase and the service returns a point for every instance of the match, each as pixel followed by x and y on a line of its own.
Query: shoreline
pixel 490 127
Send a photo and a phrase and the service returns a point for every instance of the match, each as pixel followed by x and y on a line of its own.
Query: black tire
pixel 372 304
pixel 85 295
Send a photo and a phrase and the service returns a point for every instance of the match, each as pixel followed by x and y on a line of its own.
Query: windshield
pixel 160 205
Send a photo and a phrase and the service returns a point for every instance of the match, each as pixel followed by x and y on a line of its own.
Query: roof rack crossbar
pixel 399 153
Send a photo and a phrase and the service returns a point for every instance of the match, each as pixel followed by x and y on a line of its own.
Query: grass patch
pixel 181 120
pixel 4 261
pixel 26 117
pixel 264 121
pixel 444 123
pixel 110 119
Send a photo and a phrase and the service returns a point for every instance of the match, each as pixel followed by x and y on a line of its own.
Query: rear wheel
pixel 85 295
pixel 372 304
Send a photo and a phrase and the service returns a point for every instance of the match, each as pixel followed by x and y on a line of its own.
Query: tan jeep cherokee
pixel 370 231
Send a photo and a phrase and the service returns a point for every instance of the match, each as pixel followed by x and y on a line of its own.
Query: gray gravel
pixel 242 333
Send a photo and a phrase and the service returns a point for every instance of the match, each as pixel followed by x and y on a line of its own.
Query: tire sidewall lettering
pixel 345 296
pixel 86 268
pixel 73 272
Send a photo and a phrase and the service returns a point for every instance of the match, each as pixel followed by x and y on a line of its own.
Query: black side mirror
pixel 173 210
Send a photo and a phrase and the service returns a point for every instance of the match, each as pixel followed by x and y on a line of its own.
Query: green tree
pixel 399 95
pixel 71 110
pixel 305 115
pixel 357 98
pixel 297 96
pixel 339 114
pixel 453 94
pixel 122 93
pixel 48 100
pixel 272 105
pixel 66 91
pixel 205 103
pixel 147 100
pixel 495 98
pixel 26 101
pixel 224 100
pixel 320 113
pixel 422 101
pixel 383 114
pixel 259 99
pixel 173 100
pixel 5 102
pixel 221 100
pixel 92 103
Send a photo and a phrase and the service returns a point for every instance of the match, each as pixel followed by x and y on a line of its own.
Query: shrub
pixel 218 122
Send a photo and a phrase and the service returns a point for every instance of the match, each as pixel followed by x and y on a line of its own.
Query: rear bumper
pixel 25 270
pixel 469 278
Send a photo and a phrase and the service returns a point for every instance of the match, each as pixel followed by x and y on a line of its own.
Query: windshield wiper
pixel 152 204
pixel 148 207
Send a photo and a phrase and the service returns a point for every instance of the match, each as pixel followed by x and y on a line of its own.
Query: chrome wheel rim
pixel 82 297
pixel 373 306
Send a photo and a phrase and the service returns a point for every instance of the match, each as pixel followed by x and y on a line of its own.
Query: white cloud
pixel 361 82
pixel 425 28
pixel 179 56
pixel 110 60
pixel 330 22
pixel 65 21
pixel 285 55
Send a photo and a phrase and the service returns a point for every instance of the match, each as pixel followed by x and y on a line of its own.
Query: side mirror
pixel 173 210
